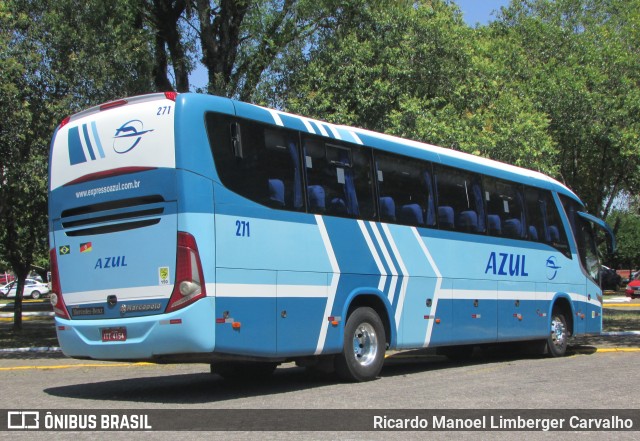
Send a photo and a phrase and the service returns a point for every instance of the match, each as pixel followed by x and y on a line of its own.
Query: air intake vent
pixel 112 205
pixel 113 216
pixel 114 228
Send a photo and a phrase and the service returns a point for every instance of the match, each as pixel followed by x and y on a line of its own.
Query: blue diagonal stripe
pixel 85 132
pixel 94 130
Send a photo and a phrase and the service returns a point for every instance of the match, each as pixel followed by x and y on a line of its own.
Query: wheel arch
pixel 375 300
pixel 563 302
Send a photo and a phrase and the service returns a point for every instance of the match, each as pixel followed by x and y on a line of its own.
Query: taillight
pixel 189 285
pixel 65 121
pixel 59 308
pixel 112 104
pixel 171 95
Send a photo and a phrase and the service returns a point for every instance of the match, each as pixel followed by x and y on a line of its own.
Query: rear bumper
pixel 187 331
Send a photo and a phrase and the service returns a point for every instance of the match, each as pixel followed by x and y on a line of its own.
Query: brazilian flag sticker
pixel 64 249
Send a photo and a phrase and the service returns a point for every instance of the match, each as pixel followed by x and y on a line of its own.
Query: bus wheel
pixel 249 371
pixel 364 347
pixel 559 335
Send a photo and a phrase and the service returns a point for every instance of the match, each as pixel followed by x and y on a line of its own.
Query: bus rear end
pixel 128 283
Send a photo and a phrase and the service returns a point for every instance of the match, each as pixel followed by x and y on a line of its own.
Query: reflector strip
pixel 224 320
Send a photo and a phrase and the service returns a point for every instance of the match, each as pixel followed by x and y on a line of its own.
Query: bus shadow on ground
pixel 199 388
pixel 194 388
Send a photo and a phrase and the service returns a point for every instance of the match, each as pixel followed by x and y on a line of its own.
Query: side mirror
pixel 611 243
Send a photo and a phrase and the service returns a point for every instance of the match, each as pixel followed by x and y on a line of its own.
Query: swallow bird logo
pixel 128 136
pixel 552 267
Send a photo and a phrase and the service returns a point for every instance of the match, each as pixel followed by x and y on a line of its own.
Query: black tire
pixel 364 347
pixel 35 295
pixel 559 335
pixel 249 371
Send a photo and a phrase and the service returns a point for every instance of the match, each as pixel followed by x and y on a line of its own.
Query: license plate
pixel 114 334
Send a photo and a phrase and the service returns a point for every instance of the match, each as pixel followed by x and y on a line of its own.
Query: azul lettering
pixel 506 264
pixel 110 262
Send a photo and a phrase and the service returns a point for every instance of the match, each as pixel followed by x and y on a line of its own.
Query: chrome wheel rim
pixel 365 344
pixel 558 332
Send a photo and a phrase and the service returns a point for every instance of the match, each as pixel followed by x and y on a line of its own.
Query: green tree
pixel 627 230
pixel 583 68
pixel 23 166
pixel 414 69
pixel 237 41
pixel 54 63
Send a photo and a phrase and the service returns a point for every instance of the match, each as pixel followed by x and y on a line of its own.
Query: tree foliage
pixel 583 68
pixel 627 227
pixel 237 41
pixel 550 85
pixel 54 63
pixel 415 69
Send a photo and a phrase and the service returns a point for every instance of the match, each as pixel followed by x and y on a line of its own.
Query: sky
pixel 480 11
pixel 474 12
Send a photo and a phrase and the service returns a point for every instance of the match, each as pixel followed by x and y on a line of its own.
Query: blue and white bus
pixel 197 228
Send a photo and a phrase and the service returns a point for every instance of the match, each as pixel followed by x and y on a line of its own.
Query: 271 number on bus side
pixel 164 110
pixel 242 229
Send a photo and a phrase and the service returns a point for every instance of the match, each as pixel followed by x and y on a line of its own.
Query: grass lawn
pixel 620 320
pixel 36 332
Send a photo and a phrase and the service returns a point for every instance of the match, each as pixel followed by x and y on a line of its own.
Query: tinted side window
pixel 406 190
pixel 545 219
pixel 257 161
pixel 587 248
pixel 505 208
pixel 460 200
pixel 584 236
pixel 339 179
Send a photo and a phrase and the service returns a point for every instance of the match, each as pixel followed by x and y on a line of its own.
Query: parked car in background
pixel 32 289
pixel 609 279
pixel 633 288
pixel 6 278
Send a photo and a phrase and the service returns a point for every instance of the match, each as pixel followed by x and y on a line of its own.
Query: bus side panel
pixel 246 311
pixel 302 297
pixel 418 310
pixel 441 315
pixel 281 312
pixel 416 289
pixel 594 309
pixel 475 311
pixel 519 311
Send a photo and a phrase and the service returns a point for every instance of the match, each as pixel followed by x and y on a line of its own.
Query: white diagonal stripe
pixel 374 253
pixel 403 270
pixel 387 258
pixel 331 294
